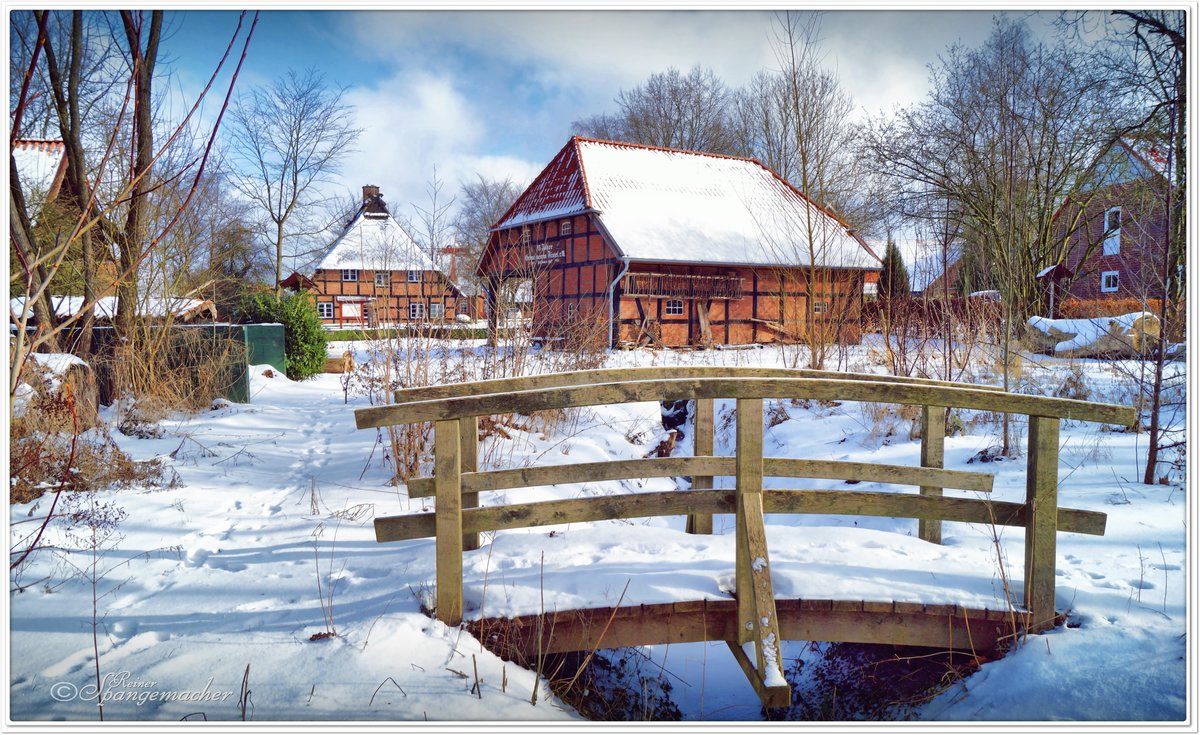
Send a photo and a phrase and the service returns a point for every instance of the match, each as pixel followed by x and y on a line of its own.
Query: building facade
pixel 627 244
pixel 375 275
pixel 1117 229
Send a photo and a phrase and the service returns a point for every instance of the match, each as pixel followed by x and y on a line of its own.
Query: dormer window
pixel 1112 231
pixel 350 274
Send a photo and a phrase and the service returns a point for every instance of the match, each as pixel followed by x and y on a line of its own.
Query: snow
pixel 375 242
pixel 1085 332
pixel 38 163
pixel 220 571
pixel 106 307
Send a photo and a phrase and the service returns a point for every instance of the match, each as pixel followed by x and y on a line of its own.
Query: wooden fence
pixel 456 482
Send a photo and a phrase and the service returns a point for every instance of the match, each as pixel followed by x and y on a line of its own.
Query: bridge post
pixel 749 481
pixel 702 445
pixel 933 451
pixel 1041 522
pixel 447 483
pixel 468 429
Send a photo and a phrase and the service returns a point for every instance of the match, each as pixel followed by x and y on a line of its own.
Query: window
pixel 349 274
pixel 1112 232
pixel 572 311
pixel 416 311
pixel 820 307
pixel 1110 281
pixel 674 307
pixel 565 228
pixel 525 235
pixel 325 309
pixel 383 279
pixel 437 310
pixel 414 276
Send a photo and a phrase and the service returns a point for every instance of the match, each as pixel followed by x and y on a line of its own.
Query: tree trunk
pixel 135 222
pixel 278 257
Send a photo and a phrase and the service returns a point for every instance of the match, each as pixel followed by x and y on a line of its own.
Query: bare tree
pixel 38 264
pixel 433 228
pixel 671 109
pixel 482 202
pixel 288 139
pixel 1007 133
pixel 803 126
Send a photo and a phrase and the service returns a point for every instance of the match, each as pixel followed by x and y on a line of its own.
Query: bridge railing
pixel 456 481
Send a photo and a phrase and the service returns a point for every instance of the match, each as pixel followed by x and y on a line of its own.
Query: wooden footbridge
pixel 754 616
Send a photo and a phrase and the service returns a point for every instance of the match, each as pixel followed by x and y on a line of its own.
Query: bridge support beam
pixel 447 481
pixel 1041 522
pixel 468 436
pixel 757 620
pixel 702 446
pixel 933 452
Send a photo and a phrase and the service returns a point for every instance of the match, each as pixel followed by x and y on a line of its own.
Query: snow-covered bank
pixel 222 570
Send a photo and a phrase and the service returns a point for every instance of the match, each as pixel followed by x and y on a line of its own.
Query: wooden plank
pixel 771 696
pixel 677 389
pixel 468 431
pixel 608 375
pixel 933 452
pixel 765 622
pixel 702 470
pixel 749 482
pixel 1041 498
pixel 980 482
pixel 821 502
pixel 449 541
pixel 584 472
pixel 716 620
pixel 703 427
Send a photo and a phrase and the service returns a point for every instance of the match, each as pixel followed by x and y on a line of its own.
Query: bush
pixel 303 335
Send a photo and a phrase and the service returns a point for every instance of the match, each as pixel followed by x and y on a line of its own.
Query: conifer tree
pixel 893 279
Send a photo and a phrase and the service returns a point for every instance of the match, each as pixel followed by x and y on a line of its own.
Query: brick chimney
pixel 370 191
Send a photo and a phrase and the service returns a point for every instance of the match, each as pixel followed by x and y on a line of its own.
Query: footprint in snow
pixel 196 556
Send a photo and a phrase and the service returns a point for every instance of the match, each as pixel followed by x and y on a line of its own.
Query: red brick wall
pixel 1143 239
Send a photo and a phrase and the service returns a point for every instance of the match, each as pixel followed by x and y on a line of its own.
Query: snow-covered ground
pixel 266 540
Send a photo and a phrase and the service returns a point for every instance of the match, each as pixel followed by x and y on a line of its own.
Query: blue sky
pixel 495 92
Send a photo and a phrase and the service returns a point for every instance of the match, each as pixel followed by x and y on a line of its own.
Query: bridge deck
pixel 984 632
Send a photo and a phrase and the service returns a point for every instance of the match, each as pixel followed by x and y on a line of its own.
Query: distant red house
pixel 662 246
pixel 1117 228
pixel 373 274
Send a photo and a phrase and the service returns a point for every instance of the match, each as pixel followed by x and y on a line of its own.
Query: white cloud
pixel 413 122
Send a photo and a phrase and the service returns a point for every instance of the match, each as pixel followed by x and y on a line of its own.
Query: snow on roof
pixel 666 205
pixel 40 168
pixel 106 307
pixel 375 241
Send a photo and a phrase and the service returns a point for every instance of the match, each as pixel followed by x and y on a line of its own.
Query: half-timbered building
pixel 640 245
pixel 373 274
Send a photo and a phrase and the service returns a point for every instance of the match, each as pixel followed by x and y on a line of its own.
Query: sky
pixel 494 93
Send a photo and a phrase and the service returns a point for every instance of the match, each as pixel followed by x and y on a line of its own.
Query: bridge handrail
pixel 608 375
pixel 634 390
